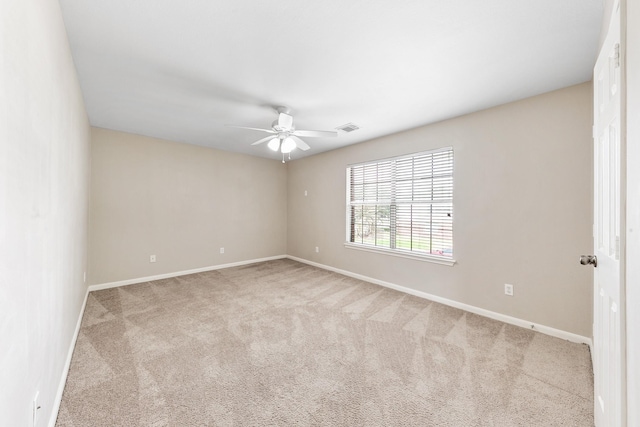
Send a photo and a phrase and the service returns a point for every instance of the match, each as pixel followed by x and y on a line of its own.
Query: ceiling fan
pixel 285 137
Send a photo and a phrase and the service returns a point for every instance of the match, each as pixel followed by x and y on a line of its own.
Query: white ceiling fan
pixel 285 137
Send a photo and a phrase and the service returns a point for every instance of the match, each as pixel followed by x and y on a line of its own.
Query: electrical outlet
pixel 317 249
pixel 508 289
pixel 152 258
pixel 36 408
pixel 221 250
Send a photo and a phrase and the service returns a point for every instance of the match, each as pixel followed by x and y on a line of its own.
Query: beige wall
pixel 181 203
pixel 522 209
pixel 44 183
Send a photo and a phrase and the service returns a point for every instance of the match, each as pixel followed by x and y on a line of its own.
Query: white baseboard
pixel 67 365
pixel 101 286
pixel 462 306
pixel 466 307
pixel 72 346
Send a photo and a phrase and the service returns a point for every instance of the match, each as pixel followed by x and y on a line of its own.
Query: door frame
pixel 611 384
pixel 630 132
pixel 630 197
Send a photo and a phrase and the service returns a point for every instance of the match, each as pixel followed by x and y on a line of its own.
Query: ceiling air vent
pixel 349 127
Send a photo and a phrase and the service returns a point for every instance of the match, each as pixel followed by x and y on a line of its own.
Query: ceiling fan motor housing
pixel 280 128
pixel 285 137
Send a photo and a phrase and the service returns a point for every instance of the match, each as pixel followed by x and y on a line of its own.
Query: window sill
pixel 426 258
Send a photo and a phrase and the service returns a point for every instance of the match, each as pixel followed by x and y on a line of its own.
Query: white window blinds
pixel 404 203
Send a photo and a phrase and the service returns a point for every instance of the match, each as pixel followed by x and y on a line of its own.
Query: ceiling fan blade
pixel 285 121
pixel 315 133
pixel 246 127
pixel 264 140
pixel 300 143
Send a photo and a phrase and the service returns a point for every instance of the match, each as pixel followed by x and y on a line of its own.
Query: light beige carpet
pixel 281 343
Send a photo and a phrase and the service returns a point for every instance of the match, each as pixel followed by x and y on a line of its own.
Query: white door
pixel 608 297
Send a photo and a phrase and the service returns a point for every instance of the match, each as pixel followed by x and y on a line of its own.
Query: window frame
pixel 398 252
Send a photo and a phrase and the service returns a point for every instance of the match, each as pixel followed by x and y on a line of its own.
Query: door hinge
pixel 617 247
pixel 616 55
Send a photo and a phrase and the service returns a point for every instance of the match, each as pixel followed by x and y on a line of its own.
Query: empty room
pixel 260 213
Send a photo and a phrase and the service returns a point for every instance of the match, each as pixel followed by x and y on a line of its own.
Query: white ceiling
pixel 182 69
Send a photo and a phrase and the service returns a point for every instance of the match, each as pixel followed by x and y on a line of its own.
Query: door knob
pixel 589 259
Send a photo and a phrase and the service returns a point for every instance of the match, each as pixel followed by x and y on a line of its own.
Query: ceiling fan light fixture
pixel 274 144
pixel 288 145
pixel 284 137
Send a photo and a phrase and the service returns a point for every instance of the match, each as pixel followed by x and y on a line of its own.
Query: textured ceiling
pixel 181 70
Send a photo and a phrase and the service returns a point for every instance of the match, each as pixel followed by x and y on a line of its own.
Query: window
pixel 403 205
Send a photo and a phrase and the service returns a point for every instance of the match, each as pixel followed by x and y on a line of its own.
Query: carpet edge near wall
pixel 557 333
pixel 547 330
pixel 109 285
pixel 67 364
